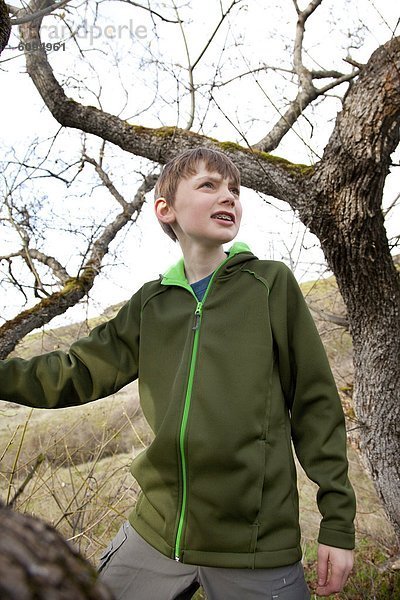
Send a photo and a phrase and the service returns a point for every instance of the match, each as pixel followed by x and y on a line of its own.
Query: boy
pixel 230 370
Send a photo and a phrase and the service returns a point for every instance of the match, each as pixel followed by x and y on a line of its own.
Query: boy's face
pixel 206 209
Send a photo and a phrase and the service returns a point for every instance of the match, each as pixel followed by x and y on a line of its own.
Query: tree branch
pixel 150 10
pixel 322 74
pixel 392 205
pixel 74 288
pixel 307 91
pixel 214 33
pixel 39 14
pixel 287 120
pixel 39 460
pixel 191 67
pixel 303 73
pixel 107 181
pixel 190 72
pixel 252 72
pixel 22 228
pixel 13 279
pixel 49 261
pixel 100 246
pixel 267 174
pixel 330 317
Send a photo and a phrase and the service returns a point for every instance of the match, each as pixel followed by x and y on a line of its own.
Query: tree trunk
pixel 35 562
pixel 349 222
pixel 5 25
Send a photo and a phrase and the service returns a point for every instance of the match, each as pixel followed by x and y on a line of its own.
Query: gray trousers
pixel 134 570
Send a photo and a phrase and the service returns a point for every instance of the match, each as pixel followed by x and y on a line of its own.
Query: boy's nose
pixel 229 197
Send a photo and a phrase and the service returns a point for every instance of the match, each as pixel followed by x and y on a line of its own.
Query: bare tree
pixel 338 197
pixel 65 289
pixel 5 25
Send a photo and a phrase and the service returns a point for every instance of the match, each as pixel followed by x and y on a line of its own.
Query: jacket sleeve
pixel 94 367
pixel 316 414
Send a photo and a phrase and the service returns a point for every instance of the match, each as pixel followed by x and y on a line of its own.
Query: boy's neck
pixel 201 261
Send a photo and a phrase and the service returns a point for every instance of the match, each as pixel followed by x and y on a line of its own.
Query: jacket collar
pixel 176 273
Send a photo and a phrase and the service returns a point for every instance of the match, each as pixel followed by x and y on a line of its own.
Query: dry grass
pixel 115 424
pixel 84 488
pixel 71 467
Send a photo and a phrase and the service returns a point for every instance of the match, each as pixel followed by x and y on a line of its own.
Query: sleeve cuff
pixel 337 539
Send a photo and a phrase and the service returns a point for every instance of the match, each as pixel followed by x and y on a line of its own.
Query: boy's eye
pixel 210 184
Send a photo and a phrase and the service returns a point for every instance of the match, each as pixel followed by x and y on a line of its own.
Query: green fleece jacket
pixel 226 384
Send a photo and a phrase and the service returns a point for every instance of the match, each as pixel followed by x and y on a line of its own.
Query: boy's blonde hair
pixel 185 165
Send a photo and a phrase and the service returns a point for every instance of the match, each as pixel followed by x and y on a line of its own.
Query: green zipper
pixel 182 432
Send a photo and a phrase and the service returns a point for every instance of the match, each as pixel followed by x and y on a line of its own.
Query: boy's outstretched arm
pixel 334 566
pixel 94 367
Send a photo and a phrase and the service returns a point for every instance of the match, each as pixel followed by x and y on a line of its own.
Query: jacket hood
pixel 237 254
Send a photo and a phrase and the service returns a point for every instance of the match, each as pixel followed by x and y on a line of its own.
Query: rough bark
pixel 36 562
pixel 5 25
pixel 349 222
pixel 339 199
pixel 44 311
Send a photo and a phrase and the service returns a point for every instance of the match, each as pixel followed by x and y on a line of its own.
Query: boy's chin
pixel 216 239
pixel 225 236
pixel 229 238
pixel 219 240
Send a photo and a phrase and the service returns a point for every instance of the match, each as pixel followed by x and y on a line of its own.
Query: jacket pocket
pixel 113 546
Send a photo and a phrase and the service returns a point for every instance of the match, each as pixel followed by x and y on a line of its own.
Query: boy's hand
pixel 334 566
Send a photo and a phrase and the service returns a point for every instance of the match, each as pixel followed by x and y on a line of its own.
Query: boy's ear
pixel 164 211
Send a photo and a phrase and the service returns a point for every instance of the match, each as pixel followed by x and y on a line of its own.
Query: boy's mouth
pixel 224 216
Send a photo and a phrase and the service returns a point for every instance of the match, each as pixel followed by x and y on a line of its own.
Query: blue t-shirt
pixel 199 287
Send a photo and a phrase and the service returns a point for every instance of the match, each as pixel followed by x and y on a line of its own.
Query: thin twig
pixel 27 18
pixel 39 460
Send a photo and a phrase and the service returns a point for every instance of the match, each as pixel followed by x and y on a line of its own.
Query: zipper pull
pixel 197 316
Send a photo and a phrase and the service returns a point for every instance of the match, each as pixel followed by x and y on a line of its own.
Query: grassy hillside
pixel 71 466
